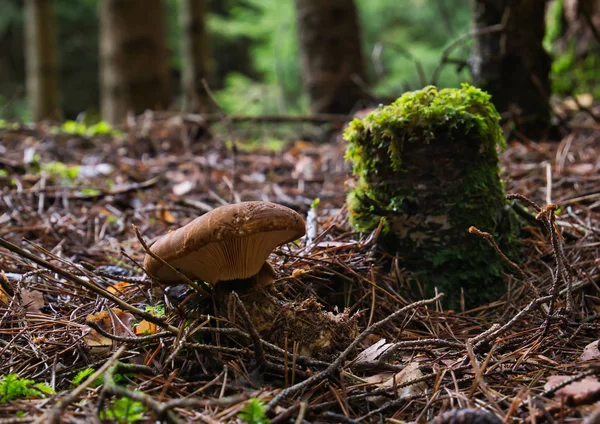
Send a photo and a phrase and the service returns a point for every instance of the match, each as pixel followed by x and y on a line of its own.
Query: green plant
pixel 90 192
pixel 574 70
pixel 156 310
pixel 124 410
pixel 255 412
pixel 101 127
pixel 13 387
pixel 554 24
pixel 6 125
pixel 73 127
pixel 34 165
pixel 572 74
pixel 112 220
pixel 61 170
pixel 80 128
pixel 83 375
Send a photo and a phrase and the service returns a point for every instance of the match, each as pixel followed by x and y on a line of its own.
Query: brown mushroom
pixel 228 243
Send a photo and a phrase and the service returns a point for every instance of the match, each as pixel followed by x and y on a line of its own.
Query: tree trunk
pixel 133 58
pixel 331 54
pixel 195 55
pixel 512 65
pixel 41 59
pixel 582 24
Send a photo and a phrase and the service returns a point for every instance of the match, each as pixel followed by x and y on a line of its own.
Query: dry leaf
pixel 298 272
pixel 163 213
pixel 254 178
pixel 33 301
pixel 96 342
pixel 115 322
pixel 578 390
pixel 300 147
pixel 390 380
pixel 304 168
pixel 145 328
pixel 584 99
pixel 372 353
pixel 183 187
pixel 119 287
pixel 590 352
pixel 581 168
pixel 4 297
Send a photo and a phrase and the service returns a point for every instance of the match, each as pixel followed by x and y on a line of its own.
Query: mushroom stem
pixel 265 276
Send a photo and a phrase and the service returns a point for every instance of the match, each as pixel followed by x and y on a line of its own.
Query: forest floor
pixel 69 204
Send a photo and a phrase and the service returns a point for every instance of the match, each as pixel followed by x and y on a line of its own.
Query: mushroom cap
pixel 228 243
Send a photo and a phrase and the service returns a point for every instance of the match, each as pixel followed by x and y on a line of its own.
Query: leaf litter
pixel 529 357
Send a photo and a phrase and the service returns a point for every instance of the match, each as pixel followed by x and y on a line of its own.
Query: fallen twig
pixel 53 416
pixel 88 285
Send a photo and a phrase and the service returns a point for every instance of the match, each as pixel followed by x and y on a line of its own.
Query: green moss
pixel 574 66
pixel 418 115
pixel 427 165
pixel 574 75
pixel 554 25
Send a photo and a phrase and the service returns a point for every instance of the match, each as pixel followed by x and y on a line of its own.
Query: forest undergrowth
pixel 77 314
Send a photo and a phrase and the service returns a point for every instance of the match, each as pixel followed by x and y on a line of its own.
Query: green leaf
pixel 73 127
pixel 45 388
pixel 13 387
pixel 254 412
pixel 83 375
pixel 90 192
pixel 157 310
pixel 124 410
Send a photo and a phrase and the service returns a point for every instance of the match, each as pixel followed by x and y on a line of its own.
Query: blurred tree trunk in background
pixel 582 24
pixel 512 65
pixel 41 55
pixel 134 66
pixel 195 55
pixel 331 54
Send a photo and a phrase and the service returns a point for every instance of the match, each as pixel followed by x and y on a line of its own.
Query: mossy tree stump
pixel 428 166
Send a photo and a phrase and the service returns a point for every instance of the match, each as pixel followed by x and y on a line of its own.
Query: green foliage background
pixel 416 28
pixel 254 46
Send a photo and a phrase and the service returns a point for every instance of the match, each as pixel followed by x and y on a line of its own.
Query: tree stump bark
pixel 427 165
